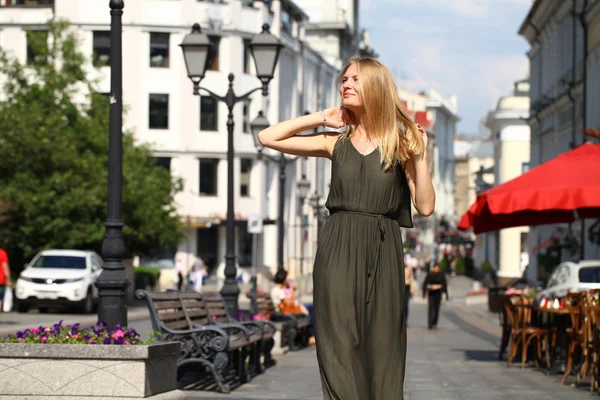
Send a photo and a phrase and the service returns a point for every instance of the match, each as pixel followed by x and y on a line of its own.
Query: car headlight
pixel 73 280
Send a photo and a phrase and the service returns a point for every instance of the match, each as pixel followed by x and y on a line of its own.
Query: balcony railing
pixel 27 3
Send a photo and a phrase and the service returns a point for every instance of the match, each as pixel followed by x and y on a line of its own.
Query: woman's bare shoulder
pixel 331 141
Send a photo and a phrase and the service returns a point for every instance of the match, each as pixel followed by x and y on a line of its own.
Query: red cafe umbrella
pixel 557 191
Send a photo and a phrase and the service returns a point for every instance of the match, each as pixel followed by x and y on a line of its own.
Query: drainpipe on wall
pixel 584 122
pixel 573 78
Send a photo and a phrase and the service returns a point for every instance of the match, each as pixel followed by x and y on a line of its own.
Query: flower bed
pixel 477 292
pixel 75 334
pixel 68 360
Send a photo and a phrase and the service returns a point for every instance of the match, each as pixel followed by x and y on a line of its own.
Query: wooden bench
pixel 262 332
pixel 294 328
pixel 183 317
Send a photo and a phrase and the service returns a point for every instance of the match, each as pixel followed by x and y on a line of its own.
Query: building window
pixel 246 121
pixel 159 50
pixel 245 170
pixel 209 114
pixel 164 162
pixel 214 64
pixel 37 47
pixel 158 111
pixel 101 52
pixel 28 3
pixel 208 176
pixel 286 22
pixel 247 56
pixel 524 167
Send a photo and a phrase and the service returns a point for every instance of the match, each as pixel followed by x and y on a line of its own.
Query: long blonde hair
pixel 386 120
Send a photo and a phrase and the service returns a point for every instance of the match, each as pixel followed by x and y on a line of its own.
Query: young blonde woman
pixel 378 165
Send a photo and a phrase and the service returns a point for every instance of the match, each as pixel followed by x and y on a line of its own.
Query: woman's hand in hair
pixel 336 117
pixel 423 135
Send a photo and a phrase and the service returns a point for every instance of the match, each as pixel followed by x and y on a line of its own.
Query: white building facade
pixel 444 113
pixel 438 116
pixel 188 134
pixel 511 136
pixel 565 96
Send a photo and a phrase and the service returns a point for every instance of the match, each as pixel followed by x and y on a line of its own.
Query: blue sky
pixel 469 48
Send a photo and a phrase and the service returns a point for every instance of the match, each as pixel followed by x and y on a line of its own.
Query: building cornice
pixel 333 26
pixel 538 17
pixel 440 105
pixel 593 12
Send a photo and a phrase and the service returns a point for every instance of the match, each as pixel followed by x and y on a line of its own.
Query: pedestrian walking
pixel 197 274
pixel 5 280
pixel 179 268
pixel 408 288
pixel 434 286
pixel 378 164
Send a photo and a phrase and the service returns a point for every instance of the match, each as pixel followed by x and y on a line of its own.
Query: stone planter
pixel 86 371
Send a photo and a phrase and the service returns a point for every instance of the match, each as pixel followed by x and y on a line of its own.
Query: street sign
pixel 255 223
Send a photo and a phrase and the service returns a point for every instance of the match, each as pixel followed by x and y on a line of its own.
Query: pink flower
pixel 118 334
pixel 126 342
pixel 91 341
pixel 76 336
pixel 20 340
pixel 44 339
pixel 35 330
pixel 47 329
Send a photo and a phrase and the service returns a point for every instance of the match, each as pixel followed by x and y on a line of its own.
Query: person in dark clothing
pixel 434 286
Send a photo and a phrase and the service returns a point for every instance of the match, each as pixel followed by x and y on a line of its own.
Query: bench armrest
pixel 253 326
pixel 232 328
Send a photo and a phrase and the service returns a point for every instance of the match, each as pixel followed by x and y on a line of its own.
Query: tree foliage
pixel 54 127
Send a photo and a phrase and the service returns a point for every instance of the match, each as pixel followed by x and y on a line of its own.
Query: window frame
pixel 167 63
pixel 211 127
pixel 95 56
pixel 215 191
pixel 248 185
pixel 150 119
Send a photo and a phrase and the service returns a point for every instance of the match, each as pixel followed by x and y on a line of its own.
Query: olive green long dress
pixel 359 279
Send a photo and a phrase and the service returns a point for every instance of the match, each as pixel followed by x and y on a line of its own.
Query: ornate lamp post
pixel 257 125
pixel 198 52
pixel 112 282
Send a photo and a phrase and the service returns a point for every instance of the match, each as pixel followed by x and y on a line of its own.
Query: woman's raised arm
pixel 282 136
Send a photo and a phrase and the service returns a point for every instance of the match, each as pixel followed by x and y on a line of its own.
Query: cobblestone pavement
pixel 456 362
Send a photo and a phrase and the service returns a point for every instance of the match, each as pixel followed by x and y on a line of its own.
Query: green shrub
pixel 146 276
pixel 460 266
pixel 444 264
pixel 487 267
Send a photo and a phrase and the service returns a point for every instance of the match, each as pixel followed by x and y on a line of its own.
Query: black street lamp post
pixel 198 52
pixel 112 282
pixel 303 186
pixel 481 186
pixel 319 211
pixel 256 126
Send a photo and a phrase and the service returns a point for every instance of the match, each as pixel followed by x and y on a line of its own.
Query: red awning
pixel 557 191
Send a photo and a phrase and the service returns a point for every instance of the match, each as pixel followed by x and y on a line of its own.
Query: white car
pixel 572 277
pixel 59 278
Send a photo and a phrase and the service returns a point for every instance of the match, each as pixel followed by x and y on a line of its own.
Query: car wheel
pixel 21 307
pixel 88 304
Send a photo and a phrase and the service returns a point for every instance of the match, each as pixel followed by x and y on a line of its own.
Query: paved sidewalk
pixel 456 362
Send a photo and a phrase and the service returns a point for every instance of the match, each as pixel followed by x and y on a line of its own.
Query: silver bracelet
pixel 324 119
